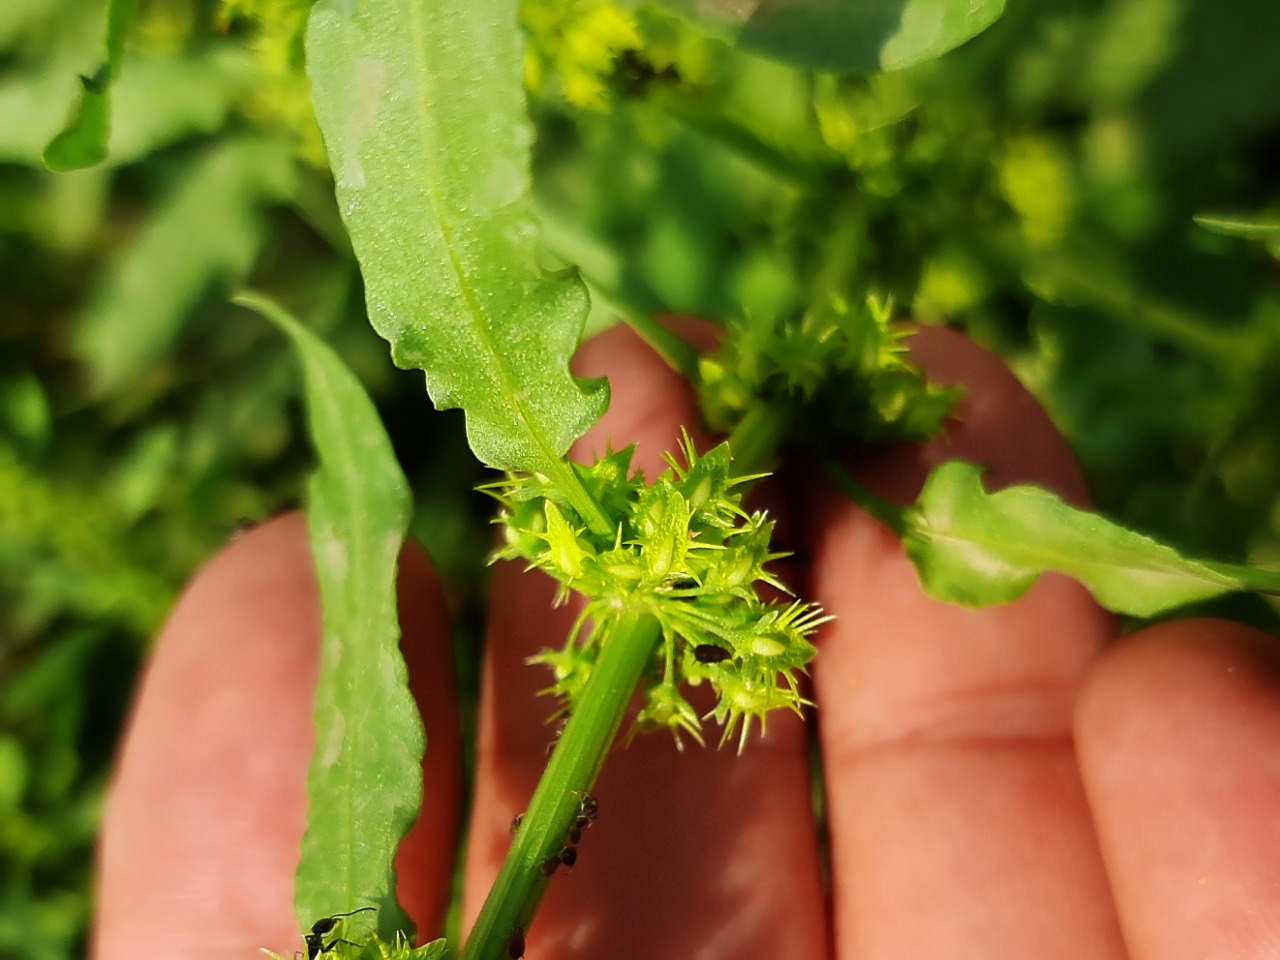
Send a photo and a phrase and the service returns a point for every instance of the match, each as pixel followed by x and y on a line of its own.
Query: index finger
pixel 958 823
pixel 207 808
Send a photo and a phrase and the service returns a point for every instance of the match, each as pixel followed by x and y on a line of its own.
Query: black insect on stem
pixel 710 653
pixel 588 811
pixel 640 73
pixel 515 944
pixel 322 928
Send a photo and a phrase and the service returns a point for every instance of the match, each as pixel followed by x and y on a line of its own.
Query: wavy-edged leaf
pixel 83 141
pixel 365 784
pixel 847 36
pixel 980 548
pixel 422 108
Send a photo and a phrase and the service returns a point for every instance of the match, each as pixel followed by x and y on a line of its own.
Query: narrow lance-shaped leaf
pixel 365 785
pixel 847 36
pixel 82 142
pixel 1254 226
pixel 422 108
pixel 980 548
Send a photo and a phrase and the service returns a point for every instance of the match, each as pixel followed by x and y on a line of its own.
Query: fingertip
pixel 207 805
pixel 945 729
pixel 1176 730
pixel 1197 659
pixel 207 808
pixel 908 653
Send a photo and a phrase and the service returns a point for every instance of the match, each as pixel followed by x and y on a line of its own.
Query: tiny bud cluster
pixel 847 361
pixel 684 552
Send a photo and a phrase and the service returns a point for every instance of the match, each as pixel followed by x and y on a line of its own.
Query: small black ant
pixel 515 944
pixel 588 810
pixel 569 856
pixel 640 73
pixel 322 928
pixel 710 653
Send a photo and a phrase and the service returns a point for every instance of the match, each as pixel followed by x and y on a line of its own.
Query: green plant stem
pixel 677 353
pixel 566 480
pixel 1088 277
pixel 755 440
pixel 789 167
pixel 570 774
pixel 888 513
pixel 1196 335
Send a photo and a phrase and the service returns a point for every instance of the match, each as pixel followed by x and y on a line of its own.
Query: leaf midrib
pixel 423 87
pixel 1044 561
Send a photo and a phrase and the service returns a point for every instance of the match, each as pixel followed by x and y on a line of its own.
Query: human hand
pixel 1005 782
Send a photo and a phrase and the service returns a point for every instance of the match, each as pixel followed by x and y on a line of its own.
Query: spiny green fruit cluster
pixel 684 552
pixel 847 361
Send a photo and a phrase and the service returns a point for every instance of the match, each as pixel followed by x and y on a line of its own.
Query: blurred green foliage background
pixel 1035 187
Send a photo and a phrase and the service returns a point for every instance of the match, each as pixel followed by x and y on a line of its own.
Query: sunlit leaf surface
pixel 979 548
pixel 422 109
pixel 365 785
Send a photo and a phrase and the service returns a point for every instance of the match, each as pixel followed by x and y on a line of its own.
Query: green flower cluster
pixel 577 44
pixel 280 98
pixel 592 52
pixel 849 363
pixel 685 553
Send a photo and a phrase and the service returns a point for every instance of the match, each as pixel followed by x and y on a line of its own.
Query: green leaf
pixel 83 141
pixel 1258 226
pixel 208 231
pixel 422 108
pixel 144 469
pixel 24 410
pixel 979 548
pixel 155 101
pixel 365 785
pixel 847 36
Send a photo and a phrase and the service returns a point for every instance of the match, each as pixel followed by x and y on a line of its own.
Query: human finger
pixel 207 808
pixel 695 853
pixel 1177 730
pixel 958 823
